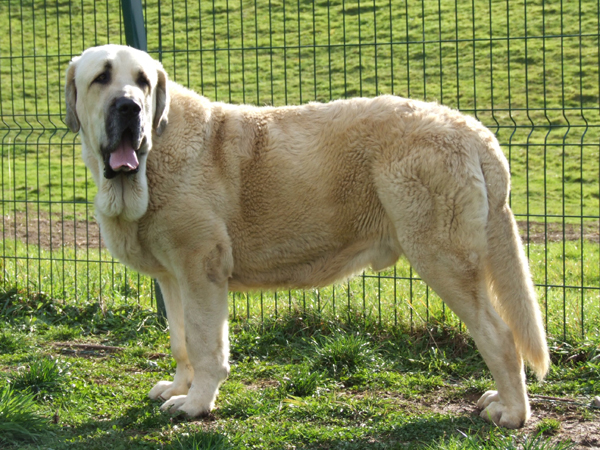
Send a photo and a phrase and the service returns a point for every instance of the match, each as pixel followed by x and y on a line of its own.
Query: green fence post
pixel 160 303
pixel 133 19
pixel 135 35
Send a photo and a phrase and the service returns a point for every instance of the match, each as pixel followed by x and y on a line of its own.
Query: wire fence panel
pixel 527 69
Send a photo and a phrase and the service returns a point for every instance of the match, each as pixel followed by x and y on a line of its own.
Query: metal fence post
pixel 135 35
pixel 133 19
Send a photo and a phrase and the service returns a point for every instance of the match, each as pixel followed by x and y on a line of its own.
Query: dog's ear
pixel 161 111
pixel 71 118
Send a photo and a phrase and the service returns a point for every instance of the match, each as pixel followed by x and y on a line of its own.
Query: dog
pixel 208 197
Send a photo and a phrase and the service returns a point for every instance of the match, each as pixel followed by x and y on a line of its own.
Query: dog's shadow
pixel 144 419
pixel 428 432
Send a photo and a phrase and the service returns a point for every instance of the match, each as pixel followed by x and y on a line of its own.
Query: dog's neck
pixel 124 197
pixel 124 240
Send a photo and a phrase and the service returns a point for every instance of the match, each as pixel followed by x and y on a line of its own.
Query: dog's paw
pixel 166 389
pixel 183 403
pixel 499 414
pixel 173 404
pixel 486 399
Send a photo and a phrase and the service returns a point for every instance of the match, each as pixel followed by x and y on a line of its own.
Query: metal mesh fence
pixel 527 69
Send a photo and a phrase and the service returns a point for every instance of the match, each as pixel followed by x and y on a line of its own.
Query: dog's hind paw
pixel 486 399
pixel 499 414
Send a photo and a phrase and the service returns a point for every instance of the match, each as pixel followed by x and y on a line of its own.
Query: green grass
pixel 549 426
pixel 400 394
pixel 493 440
pixel 342 355
pixel 528 70
pixel 301 381
pixel 375 362
pixel 18 419
pixel 394 296
pixel 72 274
pixel 42 378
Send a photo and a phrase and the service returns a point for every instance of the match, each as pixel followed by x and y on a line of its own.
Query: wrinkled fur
pixel 240 197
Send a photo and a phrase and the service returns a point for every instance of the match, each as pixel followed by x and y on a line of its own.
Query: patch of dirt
pixel 52 232
pixel 263 384
pixel 539 232
pixel 90 348
pixel 579 424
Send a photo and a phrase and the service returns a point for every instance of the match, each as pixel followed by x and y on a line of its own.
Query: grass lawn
pixel 376 362
pixel 301 381
pixel 528 70
pixel 395 296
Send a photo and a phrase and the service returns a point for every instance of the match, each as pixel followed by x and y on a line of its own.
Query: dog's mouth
pixel 124 157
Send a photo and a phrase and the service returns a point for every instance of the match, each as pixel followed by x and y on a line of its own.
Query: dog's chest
pixel 122 238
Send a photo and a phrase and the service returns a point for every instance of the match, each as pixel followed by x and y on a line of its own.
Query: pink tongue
pixel 124 157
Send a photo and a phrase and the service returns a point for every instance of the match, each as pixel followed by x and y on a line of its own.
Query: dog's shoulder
pixel 189 114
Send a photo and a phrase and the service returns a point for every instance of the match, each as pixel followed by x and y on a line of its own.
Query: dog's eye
pixel 103 78
pixel 142 81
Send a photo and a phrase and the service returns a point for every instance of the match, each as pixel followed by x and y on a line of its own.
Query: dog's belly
pixel 297 267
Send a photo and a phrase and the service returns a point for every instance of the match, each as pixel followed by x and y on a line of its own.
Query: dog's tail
pixel 507 269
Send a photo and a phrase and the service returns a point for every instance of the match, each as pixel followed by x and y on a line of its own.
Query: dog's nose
pixel 127 107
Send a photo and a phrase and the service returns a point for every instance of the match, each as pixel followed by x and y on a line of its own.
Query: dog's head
pixel 116 96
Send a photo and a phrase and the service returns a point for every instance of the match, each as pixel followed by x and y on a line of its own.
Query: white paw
pixel 184 403
pixel 173 404
pixel 487 398
pixel 499 414
pixel 167 389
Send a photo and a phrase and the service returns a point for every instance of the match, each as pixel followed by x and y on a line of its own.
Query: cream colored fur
pixel 240 197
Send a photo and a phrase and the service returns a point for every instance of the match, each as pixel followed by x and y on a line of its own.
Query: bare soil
pixel 579 424
pixel 539 232
pixel 53 232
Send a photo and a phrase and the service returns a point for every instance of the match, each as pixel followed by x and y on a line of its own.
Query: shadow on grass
pixel 142 426
pixel 425 432
pixel 124 323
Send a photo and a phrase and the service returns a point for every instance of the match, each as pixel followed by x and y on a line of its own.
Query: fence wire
pixel 527 69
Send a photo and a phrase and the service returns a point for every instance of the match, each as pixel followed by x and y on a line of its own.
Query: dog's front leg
pixel 184 373
pixel 203 286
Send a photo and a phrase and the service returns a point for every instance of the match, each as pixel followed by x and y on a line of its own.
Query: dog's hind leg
pixel 460 282
pixel 514 295
pixel 443 235
pixel 510 281
pixel 184 372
